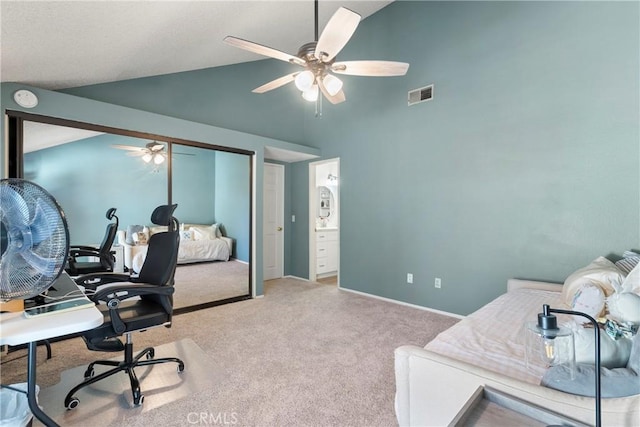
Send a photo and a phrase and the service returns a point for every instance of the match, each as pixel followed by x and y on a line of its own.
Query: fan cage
pixel 30 216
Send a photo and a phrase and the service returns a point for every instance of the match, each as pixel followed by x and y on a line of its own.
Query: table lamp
pixel 550 345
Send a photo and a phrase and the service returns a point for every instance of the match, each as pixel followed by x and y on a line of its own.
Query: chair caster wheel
pixel 180 367
pixel 72 403
pixel 151 354
pixel 138 401
pixel 88 373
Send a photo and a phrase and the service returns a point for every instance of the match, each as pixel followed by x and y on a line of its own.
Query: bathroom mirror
pixel 90 169
pixel 324 202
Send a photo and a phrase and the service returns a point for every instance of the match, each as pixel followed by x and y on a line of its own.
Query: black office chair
pixel 122 316
pixel 106 260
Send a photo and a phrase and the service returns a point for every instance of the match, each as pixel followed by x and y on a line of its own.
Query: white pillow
pixel 600 272
pixel 218 226
pixel 625 307
pixel 613 353
pixel 187 235
pixel 203 232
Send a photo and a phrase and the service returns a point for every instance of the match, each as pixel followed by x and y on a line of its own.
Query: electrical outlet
pixel 293 218
pixel 437 283
pixel 409 278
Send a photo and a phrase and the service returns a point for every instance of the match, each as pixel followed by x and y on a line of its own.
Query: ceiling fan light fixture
pixel 311 95
pixel 147 157
pixel 158 158
pixel 332 84
pixel 304 80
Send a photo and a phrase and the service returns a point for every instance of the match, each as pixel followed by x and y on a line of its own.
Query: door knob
pixel 279 228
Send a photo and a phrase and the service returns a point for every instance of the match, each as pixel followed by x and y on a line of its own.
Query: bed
pixel 485 349
pixel 198 243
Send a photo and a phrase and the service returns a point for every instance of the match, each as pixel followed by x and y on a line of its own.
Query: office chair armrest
pixel 83 248
pixel 113 295
pixel 83 251
pixel 94 280
pixel 128 290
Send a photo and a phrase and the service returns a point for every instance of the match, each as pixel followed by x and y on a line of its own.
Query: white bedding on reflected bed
pixel 203 250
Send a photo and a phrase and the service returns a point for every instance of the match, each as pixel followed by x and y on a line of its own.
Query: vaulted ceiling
pixel 63 44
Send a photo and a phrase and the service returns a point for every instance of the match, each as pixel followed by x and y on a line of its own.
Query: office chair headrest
pixel 163 215
pixel 111 213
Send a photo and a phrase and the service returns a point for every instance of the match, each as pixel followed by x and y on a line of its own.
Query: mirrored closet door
pixel 90 169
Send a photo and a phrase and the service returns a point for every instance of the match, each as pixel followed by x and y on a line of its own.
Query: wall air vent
pixel 420 95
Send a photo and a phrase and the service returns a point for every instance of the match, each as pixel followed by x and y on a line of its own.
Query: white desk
pixel 16 329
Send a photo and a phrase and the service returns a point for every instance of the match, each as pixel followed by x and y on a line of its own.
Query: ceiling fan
pixel 318 58
pixel 152 151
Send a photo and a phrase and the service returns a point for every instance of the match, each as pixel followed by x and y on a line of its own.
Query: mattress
pixel 492 337
pixel 203 250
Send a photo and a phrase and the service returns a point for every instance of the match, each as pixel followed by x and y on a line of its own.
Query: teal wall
pixel 525 163
pixel 88 177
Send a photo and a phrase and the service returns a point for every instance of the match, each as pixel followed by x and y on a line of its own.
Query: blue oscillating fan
pixel 34 239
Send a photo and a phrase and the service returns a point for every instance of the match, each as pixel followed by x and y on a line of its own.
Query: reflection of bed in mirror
pixel 207 182
pixel 198 243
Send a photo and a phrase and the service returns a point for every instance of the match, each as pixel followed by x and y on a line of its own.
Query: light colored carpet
pixel 304 355
pixel 111 399
pixel 210 281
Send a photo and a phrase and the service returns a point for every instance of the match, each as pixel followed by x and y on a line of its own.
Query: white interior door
pixel 273 241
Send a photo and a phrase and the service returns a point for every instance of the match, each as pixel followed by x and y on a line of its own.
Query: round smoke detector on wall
pixel 25 98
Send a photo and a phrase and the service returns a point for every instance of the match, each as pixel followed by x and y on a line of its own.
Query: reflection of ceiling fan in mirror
pixel 318 58
pixel 152 151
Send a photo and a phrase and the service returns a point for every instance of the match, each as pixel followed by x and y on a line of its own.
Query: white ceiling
pixel 62 44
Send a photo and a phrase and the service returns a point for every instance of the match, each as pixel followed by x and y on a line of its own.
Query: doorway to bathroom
pixel 324 221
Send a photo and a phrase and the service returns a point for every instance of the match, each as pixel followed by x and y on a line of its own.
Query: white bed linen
pixel 492 337
pixel 203 250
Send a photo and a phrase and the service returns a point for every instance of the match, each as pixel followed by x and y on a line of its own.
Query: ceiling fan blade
pixel 335 99
pixel 336 34
pixel 371 68
pixel 184 154
pixel 274 84
pixel 263 50
pixel 128 147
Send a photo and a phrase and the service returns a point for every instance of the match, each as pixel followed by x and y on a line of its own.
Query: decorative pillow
pixel 629 261
pixel 631 283
pixel 589 299
pixel 131 230
pixel 218 227
pixel 600 272
pixel 140 238
pixel 186 235
pixel 204 232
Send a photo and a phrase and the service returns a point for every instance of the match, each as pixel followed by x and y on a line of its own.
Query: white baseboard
pixel 419 307
pixel 289 276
